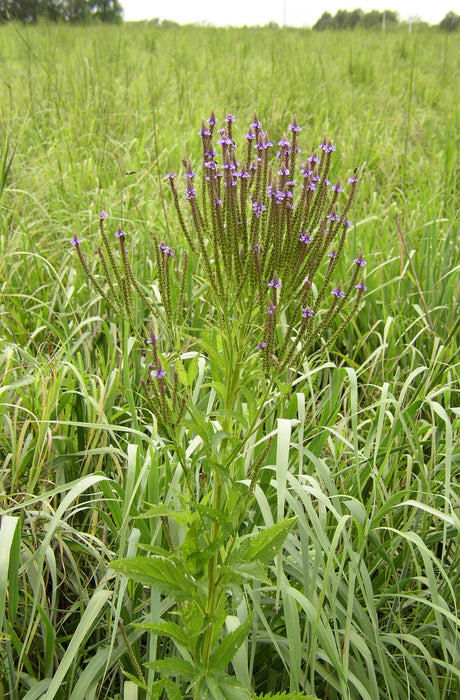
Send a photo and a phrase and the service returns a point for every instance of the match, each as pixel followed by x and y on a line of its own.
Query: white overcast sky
pixel 301 13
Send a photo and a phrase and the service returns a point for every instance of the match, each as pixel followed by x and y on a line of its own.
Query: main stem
pixel 213 589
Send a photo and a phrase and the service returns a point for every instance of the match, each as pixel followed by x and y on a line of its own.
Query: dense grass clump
pixel 346 459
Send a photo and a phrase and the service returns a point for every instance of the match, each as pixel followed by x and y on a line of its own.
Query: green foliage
pixel 74 11
pixel 450 23
pixel 345 19
pixel 361 600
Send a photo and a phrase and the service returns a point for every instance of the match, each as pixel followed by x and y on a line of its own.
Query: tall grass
pixel 363 601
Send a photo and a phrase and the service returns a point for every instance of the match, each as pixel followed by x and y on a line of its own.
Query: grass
pixel 363 601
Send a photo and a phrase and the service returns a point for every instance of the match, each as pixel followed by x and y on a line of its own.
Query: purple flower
pixel 230 118
pixel 346 223
pixel 225 141
pixel 308 313
pixel 75 240
pixel 166 249
pixel 262 345
pixel 284 143
pixel 266 142
pixel 360 261
pixel 337 188
pixel 284 171
pixel 103 214
pixel 332 255
pixel 212 119
pixel 257 248
pixel 361 286
pixel 305 237
pixel 333 217
pixel 203 132
pixel 153 339
pixel 311 186
pixel 338 293
pixel 271 309
pixel 256 124
pixel 190 193
pixel 294 127
pixel 120 233
pixel 274 283
pixel 159 373
pixel 313 158
pixel 306 171
pixel 258 208
pixel 327 147
pixel 171 176
pixel 353 180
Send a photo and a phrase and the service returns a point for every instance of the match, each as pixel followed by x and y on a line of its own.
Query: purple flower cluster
pixel 159 373
pixel 258 208
pixel 166 249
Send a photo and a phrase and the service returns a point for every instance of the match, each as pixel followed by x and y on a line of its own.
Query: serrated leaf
pixel 157 572
pixel 166 629
pixel 265 545
pixel 229 646
pixel 173 666
pixel 241 570
pixel 231 689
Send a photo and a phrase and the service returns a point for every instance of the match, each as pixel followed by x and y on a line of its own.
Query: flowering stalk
pixel 265 243
pixel 252 229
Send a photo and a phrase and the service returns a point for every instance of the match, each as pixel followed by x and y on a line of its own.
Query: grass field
pixel 337 483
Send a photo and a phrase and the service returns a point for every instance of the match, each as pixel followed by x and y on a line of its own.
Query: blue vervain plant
pixel 223 345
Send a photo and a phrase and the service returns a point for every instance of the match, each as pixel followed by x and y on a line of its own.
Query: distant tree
pixel 344 19
pixel 354 18
pixel 24 10
pixel 324 22
pixel 107 10
pixel 66 10
pixel 450 23
pixel 347 20
pixel 375 18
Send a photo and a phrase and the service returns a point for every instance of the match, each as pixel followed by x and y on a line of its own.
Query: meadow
pixel 337 483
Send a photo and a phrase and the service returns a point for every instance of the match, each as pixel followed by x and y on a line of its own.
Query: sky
pixel 300 13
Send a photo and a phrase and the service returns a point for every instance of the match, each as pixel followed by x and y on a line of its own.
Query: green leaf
pixel 173 692
pixel 157 572
pixel 173 666
pixel 227 688
pixel 229 646
pixel 265 545
pixel 86 624
pixel 243 570
pixel 160 510
pixel 166 629
pixel 9 558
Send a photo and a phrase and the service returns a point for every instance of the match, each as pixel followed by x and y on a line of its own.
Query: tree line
pixel 345 19
pixel 61 10
pixel 112 11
